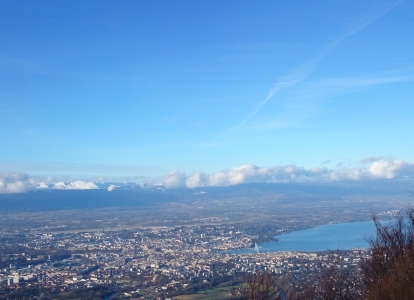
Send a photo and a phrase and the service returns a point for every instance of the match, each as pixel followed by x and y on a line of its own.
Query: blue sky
pixel 142 88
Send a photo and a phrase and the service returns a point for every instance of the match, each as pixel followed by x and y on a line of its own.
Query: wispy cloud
pixel 70 168
pixel 303 102
pixel 347 83
pixel 300 73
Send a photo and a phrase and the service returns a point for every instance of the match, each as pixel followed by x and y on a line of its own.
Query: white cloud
pixel 369 160
pixel 196 179
pixel 76 185
pixel 42 185
pixel 112 187
pixel 19 182
pixel 378 168
pixel 371 168
pixel 390 169
pixel 15 182
pixel 253 174
pixel 173 179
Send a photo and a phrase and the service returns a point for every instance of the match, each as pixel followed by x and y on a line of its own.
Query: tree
pixel 261 286
pixel 333 282
pixel 389 271
pixel 386 274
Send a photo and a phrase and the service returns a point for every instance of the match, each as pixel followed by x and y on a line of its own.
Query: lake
pixel 344 236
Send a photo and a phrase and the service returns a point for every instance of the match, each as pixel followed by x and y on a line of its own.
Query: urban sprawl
pixel 153 262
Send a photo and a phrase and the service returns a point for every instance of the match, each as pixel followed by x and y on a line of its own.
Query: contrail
pixel 300 73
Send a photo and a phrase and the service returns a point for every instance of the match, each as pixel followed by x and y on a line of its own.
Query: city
pixel 185 246
pixel 158 262
pixel 206 150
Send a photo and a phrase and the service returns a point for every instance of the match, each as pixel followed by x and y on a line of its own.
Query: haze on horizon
pixel 205 93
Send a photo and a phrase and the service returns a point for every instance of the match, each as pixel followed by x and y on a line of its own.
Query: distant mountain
pixel 112 194
pixel 52 199
pixel 75 185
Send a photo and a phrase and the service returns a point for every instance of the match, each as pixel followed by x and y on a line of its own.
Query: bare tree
pixel 261 286
pixel 389 271
pixel 386 274
pixel 333 282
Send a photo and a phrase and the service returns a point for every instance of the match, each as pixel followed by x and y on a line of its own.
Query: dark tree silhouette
pixel 261 286
pixel 389 271
pixel 386 274
pixel 333 282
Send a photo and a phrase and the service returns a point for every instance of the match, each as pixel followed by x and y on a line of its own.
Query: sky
pixel 191 90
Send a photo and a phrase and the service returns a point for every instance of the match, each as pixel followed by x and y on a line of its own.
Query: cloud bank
pixel 19 182
pixel 372 168
pixel 16 182
pixel 76 185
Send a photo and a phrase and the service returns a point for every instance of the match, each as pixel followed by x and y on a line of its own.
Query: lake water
pixel 344 236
